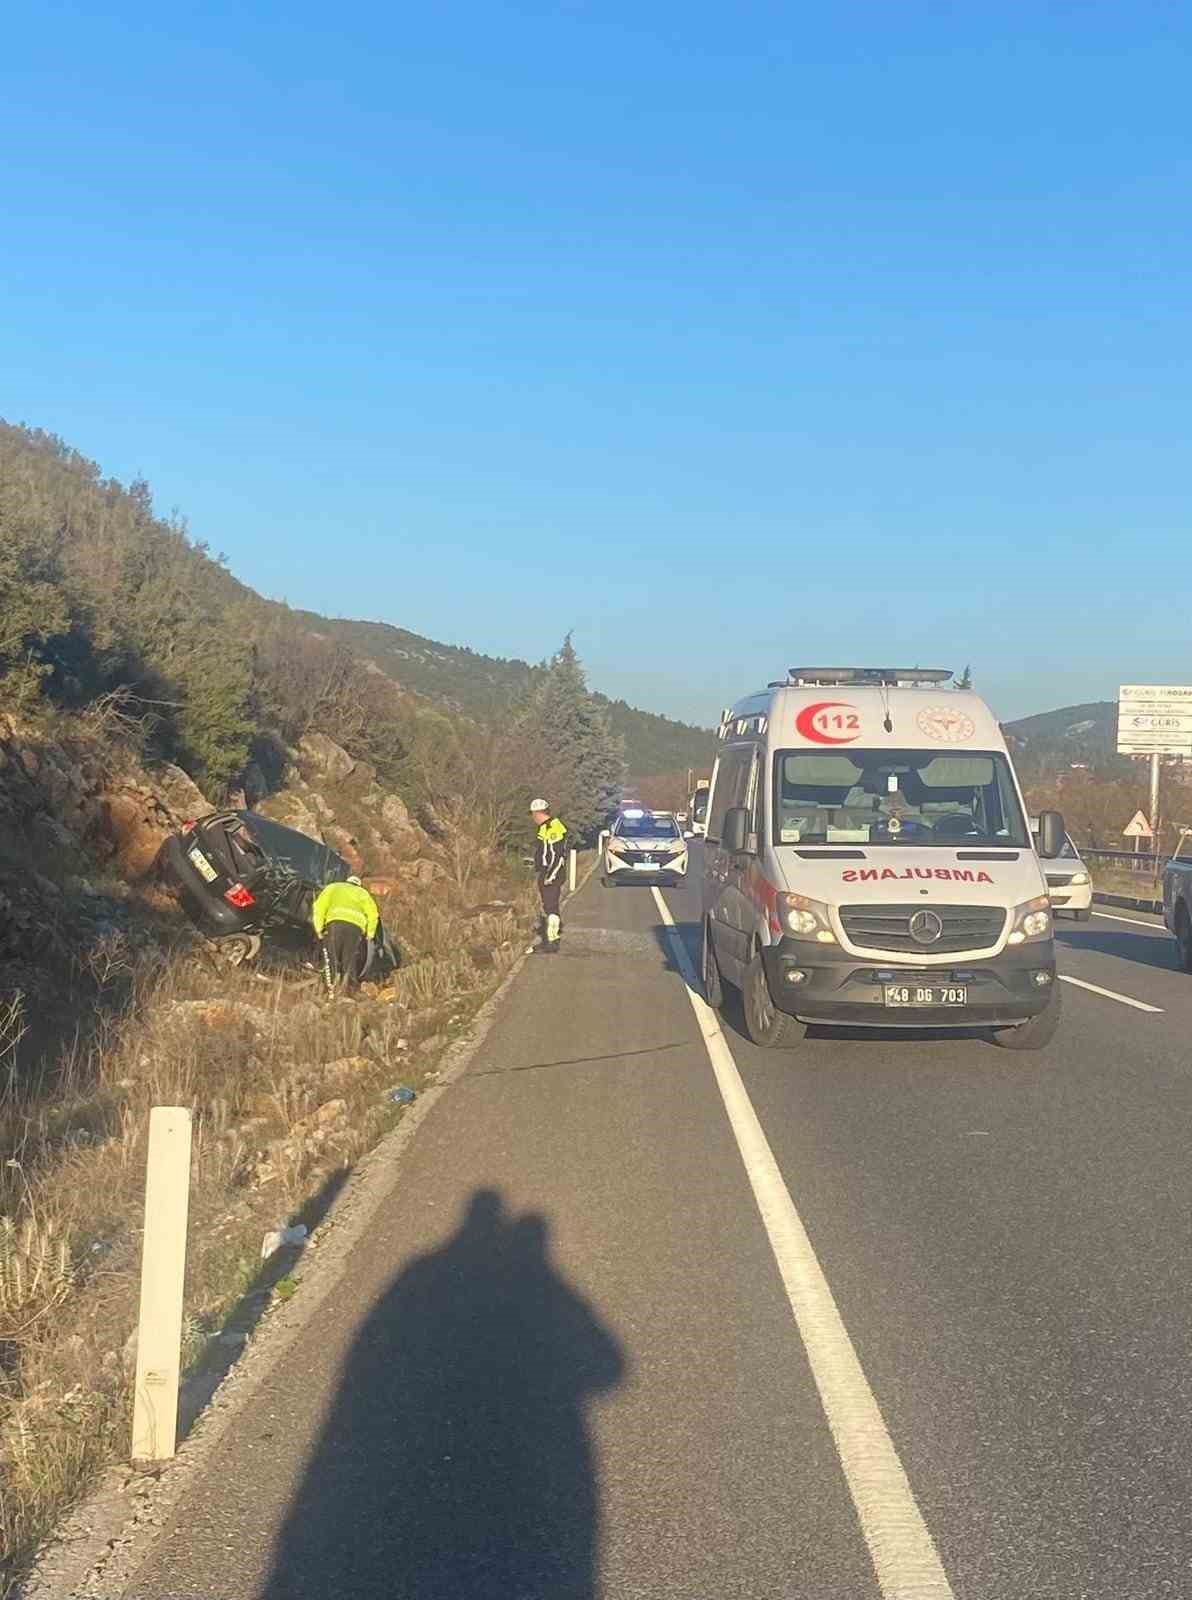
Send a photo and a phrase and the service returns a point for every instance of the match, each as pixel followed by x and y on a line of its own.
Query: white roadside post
pixel 163 1269
pixel 572 858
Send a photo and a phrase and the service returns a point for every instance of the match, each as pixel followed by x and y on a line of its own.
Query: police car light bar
pixel 858 677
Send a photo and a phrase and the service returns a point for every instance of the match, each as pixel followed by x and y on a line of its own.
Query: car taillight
pixel 188 827
pixel 239 896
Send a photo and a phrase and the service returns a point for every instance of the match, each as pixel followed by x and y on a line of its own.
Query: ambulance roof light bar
pixel 860 677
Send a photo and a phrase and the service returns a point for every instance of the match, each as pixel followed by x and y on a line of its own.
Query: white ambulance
pixel 868 862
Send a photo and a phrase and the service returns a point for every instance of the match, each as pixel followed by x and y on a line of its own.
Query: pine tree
pixel 573 758
pixel 965 680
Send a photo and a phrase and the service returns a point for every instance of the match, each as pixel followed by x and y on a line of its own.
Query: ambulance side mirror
pixel 734 835
pixel 1051 835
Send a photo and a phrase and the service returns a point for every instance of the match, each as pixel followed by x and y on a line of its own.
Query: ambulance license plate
pixel 202 865
pixel 926 994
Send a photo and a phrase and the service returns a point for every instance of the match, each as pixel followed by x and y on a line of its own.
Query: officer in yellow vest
pixel 550 857
pixel 345 915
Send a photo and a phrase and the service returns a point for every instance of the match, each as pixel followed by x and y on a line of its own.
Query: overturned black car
pixel 240 877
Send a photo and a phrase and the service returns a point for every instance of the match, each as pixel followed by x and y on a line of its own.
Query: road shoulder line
pixel 1111 994
pixel 904 1557
pixel 1135 922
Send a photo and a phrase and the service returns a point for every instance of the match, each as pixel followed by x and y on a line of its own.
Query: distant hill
pixel 483 686
pixel 1085 733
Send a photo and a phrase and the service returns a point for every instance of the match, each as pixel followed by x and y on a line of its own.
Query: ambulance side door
pixel 724 870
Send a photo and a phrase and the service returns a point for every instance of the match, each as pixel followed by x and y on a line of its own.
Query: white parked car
pixel 646 846
pixel 1069 882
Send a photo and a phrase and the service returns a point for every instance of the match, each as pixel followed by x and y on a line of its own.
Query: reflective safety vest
pixel 550 851
pixel 346 902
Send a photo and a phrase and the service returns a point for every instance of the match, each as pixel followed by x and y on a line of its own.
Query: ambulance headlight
pixel 1031 921
pixel 805 918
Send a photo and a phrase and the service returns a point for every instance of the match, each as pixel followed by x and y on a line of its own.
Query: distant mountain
pixel 1071 733
pixel 483 686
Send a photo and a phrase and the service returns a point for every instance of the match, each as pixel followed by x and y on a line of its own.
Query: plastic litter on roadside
pixel 279 1238
pixel 402 1095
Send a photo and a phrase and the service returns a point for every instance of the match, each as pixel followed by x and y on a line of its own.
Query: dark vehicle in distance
pixel 239 876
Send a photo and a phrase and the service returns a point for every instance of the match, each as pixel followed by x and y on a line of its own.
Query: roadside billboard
pixel 1154 719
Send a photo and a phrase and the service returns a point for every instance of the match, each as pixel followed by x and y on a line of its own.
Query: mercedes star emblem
pixel 926 927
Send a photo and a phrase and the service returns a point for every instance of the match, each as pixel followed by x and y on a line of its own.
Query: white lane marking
pixel 1135 922
pixel 1111 994
pixel 903 1555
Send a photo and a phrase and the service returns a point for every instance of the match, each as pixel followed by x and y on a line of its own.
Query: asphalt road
pixel 569 1365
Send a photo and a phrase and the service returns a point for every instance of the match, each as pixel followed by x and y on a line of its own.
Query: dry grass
pixel 1122 880
pixel 287 1092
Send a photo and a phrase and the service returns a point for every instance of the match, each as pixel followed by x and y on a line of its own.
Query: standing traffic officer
pixel 550 858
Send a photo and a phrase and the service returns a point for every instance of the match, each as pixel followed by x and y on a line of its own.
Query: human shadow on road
pixel 1145 949
pixel 456 1462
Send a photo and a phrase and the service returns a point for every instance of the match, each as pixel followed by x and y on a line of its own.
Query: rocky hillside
pixel 110 1004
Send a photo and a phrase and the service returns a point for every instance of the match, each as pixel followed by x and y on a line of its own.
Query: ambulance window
pixel 895 797
pixel 732 785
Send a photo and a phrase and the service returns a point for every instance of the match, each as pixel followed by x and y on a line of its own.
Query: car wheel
pixel 1183 939
pixel 764 1023
pixel 713 986
pixel 1036 1033
pixel 239 948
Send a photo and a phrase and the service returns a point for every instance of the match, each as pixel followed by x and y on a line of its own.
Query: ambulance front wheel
pixel 1039 1031
pixel 764 1023
pixel 713 986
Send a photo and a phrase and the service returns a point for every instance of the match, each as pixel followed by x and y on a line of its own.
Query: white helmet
pixel 352 878
pixel 539 805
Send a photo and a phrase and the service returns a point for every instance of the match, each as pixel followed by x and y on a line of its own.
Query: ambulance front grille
pixel 880 927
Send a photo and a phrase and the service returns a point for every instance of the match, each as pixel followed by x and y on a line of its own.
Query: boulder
pixel 134 825
pixel 181 793
pixel 426 871
pixel 288 808
pixel 330 1112
pixel 326 757
pixel 395 814
pixel 216 1014
pixel 340 839
pixel 346 1068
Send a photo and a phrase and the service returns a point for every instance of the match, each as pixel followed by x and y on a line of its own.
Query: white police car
pixel 645 846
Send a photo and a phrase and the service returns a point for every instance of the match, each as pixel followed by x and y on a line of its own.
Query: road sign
pixel 1138 827
pixel 1154 719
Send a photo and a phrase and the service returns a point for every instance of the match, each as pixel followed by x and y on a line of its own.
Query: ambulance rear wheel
pixel 764 1023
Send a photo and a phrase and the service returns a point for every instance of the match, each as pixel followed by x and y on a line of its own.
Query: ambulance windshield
pixel 896 797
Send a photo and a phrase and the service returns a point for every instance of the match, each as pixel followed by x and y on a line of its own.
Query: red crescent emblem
pixel 848 722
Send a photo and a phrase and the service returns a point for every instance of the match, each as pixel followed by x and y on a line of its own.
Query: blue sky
pixel 727 336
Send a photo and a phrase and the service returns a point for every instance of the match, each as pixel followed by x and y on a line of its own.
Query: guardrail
pixel 1136 877
pixel 1141 861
